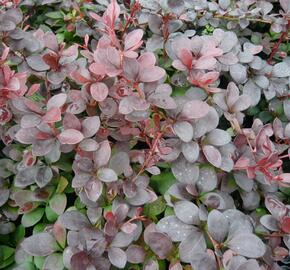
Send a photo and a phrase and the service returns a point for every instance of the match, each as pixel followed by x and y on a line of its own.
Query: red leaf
pixel 285 225
pixel 51 59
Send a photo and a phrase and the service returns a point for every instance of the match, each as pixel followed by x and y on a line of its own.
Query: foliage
pixel 144 134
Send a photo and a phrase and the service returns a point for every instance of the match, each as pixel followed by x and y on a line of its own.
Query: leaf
pixel 70 136
pixel 36 62
pixel 281 70
pixel 238 73
pixel 135 254
pixel 155 208
pixel 74 220
pixel 218 137
pixel 160 244
pixel 132 39
pixel 190 151
pixel 213 155
pixel 192 245
pixel 187 212
pixel 5 253
pixel 183 130
pixel 162 182
pixel 43 176
pixel 248 245
pixel 194 109
pixel 53 262
pixel 54 15
pixel 107 175
pixel 171 225
pixel 218 225
pixel 90 126
pixel 41 244
pixel 56 101
pixel 184 171
pixel 117 257
pixel 99 91
pixel 33 217
pixel 58 203
pixel 151 74
pixel 285 224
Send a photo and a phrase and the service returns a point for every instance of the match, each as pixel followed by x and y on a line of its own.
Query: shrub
pixel 144 134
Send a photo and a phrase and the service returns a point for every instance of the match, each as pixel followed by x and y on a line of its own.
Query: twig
pixel 278 43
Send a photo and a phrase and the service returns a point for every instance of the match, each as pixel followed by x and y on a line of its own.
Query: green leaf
pixel 58 203
pixel 39 261
pixel 54 15
pixel 27 266
pixel 65 162
pixel 18 234
pixel 155 208
pixel 6 263
pixel 266 116
pixel 169 211
pixel 38 228
pixel 5 252
pixel 62 184
pixel 162 182
pixel 50 214
pixel 31 218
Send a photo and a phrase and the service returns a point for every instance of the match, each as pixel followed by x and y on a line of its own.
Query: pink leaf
pixel 70 136
pixel 133 39
pixel 99 91
pixel 151 74
pixel 97 69
pixel 53 115
pixel 147 60
pixel 33 88
pixel 56 101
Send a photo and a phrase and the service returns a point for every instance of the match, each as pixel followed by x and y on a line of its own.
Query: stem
pixel 216 246
pixel 278 43
pixel 151 153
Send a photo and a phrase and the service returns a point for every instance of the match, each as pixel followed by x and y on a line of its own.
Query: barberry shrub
pixel 144 134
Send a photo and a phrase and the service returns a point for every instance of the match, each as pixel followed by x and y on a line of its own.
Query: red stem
pixel 277 44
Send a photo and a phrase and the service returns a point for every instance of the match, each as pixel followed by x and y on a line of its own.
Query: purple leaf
pixel 187 212
pixel 135 254
pixel 107 175
pixel 74 220
pixel 190 151
pixel 160 244
pixel 117 257
pixel 183 130
pixel 218 225
pixel 194 109
pixel 213 155
pixel 169 224
pixel 218 137
pixel 248 245
pixel 41 244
